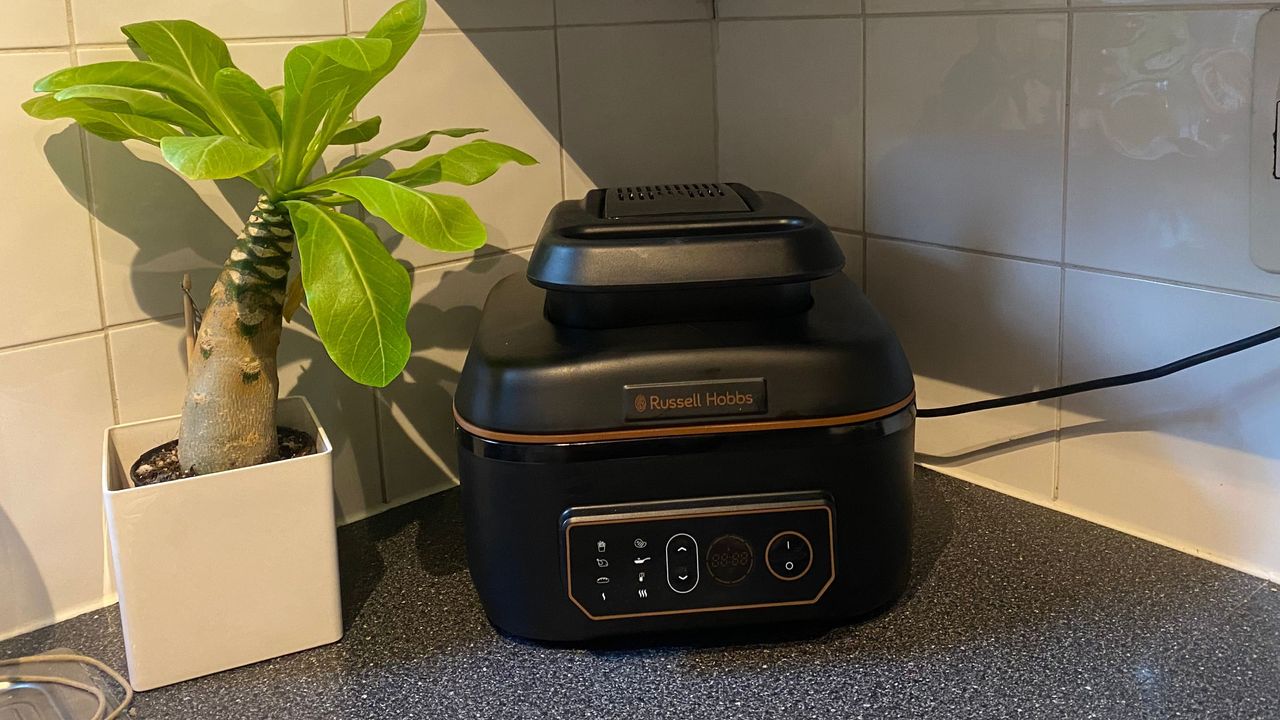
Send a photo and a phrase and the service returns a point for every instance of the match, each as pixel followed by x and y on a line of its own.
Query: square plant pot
pixel 226 569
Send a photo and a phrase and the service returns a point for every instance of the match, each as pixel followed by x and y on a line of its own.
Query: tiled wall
pixel 1049 191
pixel 100 234
pixel 1046 194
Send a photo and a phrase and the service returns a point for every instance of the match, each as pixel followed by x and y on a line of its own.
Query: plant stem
pixel 229 416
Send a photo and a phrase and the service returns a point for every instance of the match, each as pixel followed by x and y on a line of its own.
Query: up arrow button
pixel 682 563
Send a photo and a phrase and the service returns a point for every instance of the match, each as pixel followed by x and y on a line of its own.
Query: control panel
pixel 698 555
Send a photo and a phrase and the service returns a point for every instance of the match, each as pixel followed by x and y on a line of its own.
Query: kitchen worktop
pixel 1013 610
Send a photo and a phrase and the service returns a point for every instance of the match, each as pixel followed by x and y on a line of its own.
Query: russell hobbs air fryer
pixel 684 416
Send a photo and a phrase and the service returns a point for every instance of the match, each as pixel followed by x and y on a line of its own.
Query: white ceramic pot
pixel 222 570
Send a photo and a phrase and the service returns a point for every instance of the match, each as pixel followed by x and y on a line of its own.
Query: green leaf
pixel 413 144
pixel 183 46
pixel 214 157
pixel 133 74
pixel 466 164
pixel 249 106
pixel 357 131
pixel 103 123
pixel 137 102
pixel 356 292
pixel 441 222
pixel 320 92
pixel 307 136
pixel 363 54
pixel 277 98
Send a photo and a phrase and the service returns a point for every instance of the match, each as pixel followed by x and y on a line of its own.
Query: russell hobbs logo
pixel 695 399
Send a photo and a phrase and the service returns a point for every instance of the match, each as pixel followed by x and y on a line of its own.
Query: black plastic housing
pixel 681 346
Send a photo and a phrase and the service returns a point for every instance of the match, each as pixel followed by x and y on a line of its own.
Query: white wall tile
pixel 1092 3
pixel 418 444
pixel 45 223
pixel 964 139
pixel 99 21
pixel 1192 458
pixel 903 6
pixel 774 8
pixel 576 12
pixel 33 23
pixel 504 81
pixel 55 402
pixel 790 111
pixel 152 224
pixel 1158 178
pixel 975 327
pixel 465 14
pixel 150 381
pixel 638 105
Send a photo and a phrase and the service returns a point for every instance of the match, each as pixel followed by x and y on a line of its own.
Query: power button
pixel 789 555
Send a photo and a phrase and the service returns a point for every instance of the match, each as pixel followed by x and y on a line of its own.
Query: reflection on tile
pixel 503 81
pixel 150 380
pixel 575 12
pixel 629 124
pixel 773 8
pixel 1160 115
pixel 418 454
pixel 806 141
pixel 33 23
pixel 964 142
pixel 465 14
pixel 975 327
pixel 45 224
pixel 1191 458
pixel 55 403
pixel 99 21
pixel 897 6
pixel 153 224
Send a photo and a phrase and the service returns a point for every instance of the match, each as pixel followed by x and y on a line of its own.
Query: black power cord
pixel 1230 348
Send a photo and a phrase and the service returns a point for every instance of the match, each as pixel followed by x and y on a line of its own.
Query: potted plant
pixel 221 526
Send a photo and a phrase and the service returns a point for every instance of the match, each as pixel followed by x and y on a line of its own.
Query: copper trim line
pixel 680 430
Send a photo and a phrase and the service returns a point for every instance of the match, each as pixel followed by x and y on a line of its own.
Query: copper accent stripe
pixel 831 539
pixel 679 430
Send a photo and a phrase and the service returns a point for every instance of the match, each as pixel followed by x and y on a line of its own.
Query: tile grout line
pixel 1062 254
pixel 714 30
pixel 560 151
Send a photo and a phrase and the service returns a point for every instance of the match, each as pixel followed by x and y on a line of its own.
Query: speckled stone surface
pixel 1014 611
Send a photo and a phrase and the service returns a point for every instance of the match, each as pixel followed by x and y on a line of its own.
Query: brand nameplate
pixel 696 398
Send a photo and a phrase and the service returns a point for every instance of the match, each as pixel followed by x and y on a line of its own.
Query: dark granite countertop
pixel 1014 611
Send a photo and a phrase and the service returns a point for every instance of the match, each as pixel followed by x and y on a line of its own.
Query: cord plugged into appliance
pixel 1133 378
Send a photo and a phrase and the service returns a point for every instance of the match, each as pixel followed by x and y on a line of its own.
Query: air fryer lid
pixel 669 237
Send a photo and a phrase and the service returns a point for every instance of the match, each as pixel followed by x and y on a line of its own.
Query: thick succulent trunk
pixel 229 416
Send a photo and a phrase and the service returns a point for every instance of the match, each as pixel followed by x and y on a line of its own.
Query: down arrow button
pixel 682 563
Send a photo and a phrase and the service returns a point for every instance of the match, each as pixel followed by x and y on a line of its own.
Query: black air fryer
pixel 683 417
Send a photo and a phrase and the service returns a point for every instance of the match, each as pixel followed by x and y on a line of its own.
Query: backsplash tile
pixel 1190 459
pixel 416 410
pixel 465 14
pixel 624 123
pixel 964 141
pixel 503 81
pixel 806 140
pixel 903 6
pixel 55 403
pixel 34 23
pixel 99 21
pixel 774 8
pixel 577 12
pixel 1158 172
pixel 975 327
pixel 45 223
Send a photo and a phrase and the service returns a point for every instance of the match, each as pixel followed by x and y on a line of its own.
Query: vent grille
pixel 681 199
